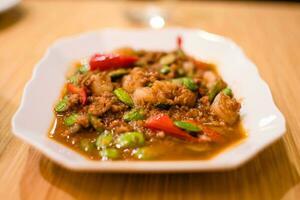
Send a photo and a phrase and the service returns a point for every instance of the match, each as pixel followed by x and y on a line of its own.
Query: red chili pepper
pixel 212 134
pixel 179 42
pixel 111 61
pixel 202 65
pixel 76 90
pixel 164 123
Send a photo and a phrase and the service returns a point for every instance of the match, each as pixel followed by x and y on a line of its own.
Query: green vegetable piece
pixel 214 91
pixel 86 145
pixel 177 81
pixel 73 79
pixel 109 153
pixel 83 69
pixel 118 73
pixel 104 140
pixel 167 59
pixel 130 139
pixel 187 126
pixel 123 96
pixel 143 153
pixel 227 91
pixel 62 106
pixel 165 69
pixel 70 120
pixel 133 115
pixel 96 123
pixel 189 83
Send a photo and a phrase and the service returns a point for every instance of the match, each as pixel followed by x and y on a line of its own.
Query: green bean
pixel 96 123
pixel 86 145
pixel 227 91
pixel 71 120
pixel 109 153
pixel 165 69
pixel 123 96
pixel 118 73
pixel 189 83
pixel 130 139
pixel 104 140
pixel 133 115
pixel 167 59
pixel 187 126
pixel 62 106
pixel 214 91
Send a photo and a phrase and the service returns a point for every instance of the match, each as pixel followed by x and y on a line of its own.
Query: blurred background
pixel 268 32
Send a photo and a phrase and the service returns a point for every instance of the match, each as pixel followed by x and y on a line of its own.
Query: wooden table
pixel 268 32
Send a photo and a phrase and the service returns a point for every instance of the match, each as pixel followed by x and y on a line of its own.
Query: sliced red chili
pixel 179 42
pixel 212 134
pixel 164 123
pixel 111 61
pixel 77 90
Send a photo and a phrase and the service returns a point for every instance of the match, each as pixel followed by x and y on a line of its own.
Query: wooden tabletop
pixel 268 32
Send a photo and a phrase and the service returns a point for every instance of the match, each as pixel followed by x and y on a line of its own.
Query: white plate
pixel 261 118
pixel 7 4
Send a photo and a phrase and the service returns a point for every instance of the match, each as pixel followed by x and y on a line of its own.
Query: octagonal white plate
pixel 261 118
pixel 8 4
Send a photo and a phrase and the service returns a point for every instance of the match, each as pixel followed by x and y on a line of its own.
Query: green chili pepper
pixel 165 69
pixel 227 91
pixel 187 126
pixel 104 140
pixel 96 123
pixel 214 91
pixel 133 115
pixel 109 153
pixel 130 139
pixel 123 96
pixel 189 83
pixel 118 73
pixel 86 145
pixel 62 105
pixel 167 59
pixel 70 120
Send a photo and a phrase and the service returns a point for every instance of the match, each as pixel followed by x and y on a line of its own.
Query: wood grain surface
pixel 268 32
